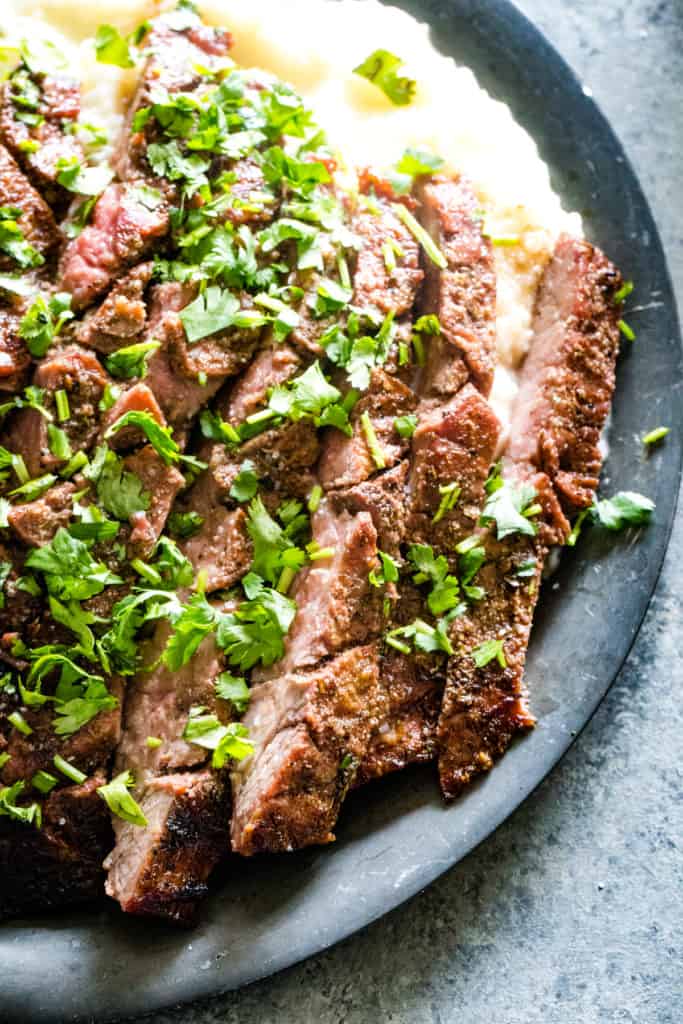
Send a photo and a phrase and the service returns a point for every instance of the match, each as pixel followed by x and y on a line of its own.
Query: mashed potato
pixel 314 45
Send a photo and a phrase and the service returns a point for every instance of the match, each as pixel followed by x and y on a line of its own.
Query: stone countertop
pixel 571 912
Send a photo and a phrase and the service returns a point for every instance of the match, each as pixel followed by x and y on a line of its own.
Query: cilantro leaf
pixel 405 425
pixel 13 242
pixel 160 437
pixel 445 592
pixel 274 551
pixel 112 48
pixel 195 621
pixel 506 504
pixel 245 484
pixel 489 650
pixel 120 802
pixel 28 814
pixel 413 163
pixel 131 360
pixel 381 68
pixel 70 570
pixel 84 181
pixel 43 322
pixel 233 689
pixel 226 741
pixel 213 310
pixel 255 631
pixel 118 491
pixel 627 508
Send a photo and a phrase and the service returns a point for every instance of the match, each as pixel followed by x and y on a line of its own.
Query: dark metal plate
pixel 397 837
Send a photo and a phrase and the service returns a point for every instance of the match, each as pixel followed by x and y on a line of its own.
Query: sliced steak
pixel 162 870
pixel 568 380
pixel 346 461
pixel 88 749
pixel 36 221
pixel 162 483
pixel 221 548
pixel 337 606
pixel 384 498
pixel 310 731
pixel 39 147
pixel 15 358
pixel 284 457
pixel 77 372
pixel 463 295
pixel 406 734
pixel 121 231
pixel 158 703
pixel 175 64
pixel 221 355
pixel 270 367
pixel 138 398
pixel 60 863
pixel 179 396
pixel 456 444
pixel 375 285
pixel 573 351
pixel 121 318
pixel 36 522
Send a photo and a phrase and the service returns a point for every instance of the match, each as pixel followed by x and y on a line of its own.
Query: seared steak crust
pixel 563 403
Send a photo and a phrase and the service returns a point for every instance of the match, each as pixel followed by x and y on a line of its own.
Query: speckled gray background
pixel 572 912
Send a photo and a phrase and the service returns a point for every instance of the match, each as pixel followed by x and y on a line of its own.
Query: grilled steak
pixel 310 731
pixel 463 295
pixel 254 553
pixel 573 350
pixel 122 230
pixel 53 102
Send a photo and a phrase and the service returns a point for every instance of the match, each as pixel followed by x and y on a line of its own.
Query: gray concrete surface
pixel 571 912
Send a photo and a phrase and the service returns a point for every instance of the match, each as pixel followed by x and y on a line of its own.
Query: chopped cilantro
pixel 28 814
pixel 413 164
pixel 233 689
pixel 624 509
pixel 226 741
pixel 489 650
pixel 113 48
pixel 131 360
pixel 445 593
pixel 191 625
pixel 70 570
pixel 12 240
pixel 656 435
pixel 185 524
pixel 381 68
pixel 43 322
pixel 120 802
pixel 449 497
pixel 421 236
pixel 85 181
pixel 507 504
pixel 372 442
pixel 245 484
pixel 405 425
pixel 388 572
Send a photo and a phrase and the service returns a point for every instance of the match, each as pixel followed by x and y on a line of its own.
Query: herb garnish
pixel 381 68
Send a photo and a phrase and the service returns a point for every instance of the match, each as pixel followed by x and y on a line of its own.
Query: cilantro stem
pixel 658 434
pixel 79 460
pixel 20 469
pixel 286 579
pixel 421 236
pixel 148 572
pixel 372 442
pixel 314 498
pixel 70 770
pixel 19 722
pixel 627 331
pixel 449 496
pixel 62 403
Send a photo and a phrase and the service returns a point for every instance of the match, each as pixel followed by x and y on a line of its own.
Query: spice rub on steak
pixel 462 294
pixel 36 220
pixel 564 398
pixel 310 730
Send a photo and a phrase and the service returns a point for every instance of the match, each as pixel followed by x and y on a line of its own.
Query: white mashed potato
pixel 314 45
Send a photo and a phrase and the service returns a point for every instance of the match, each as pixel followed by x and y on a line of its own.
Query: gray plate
pixel 397 837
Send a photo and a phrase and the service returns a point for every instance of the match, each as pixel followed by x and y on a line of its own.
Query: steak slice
pixel 384 498
pixel 162 870
pixel 346 461
pixel 59 108
pixel 138 398
pixel 176 63
pixel 181 397
pixel 15 358
pixel 454 443
pixel 270 367
pixel 568 379
pixel 375 285
pixel 61 863
pixel 221 548
pixel 162 483
pixel 310 731
pixel 337 606
pixel 88 749
pixel 36 522
pixel 463 295
pixel 77 372
pixel 121 318
pixel 36 221
pixel 573 352
pixel 122 230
